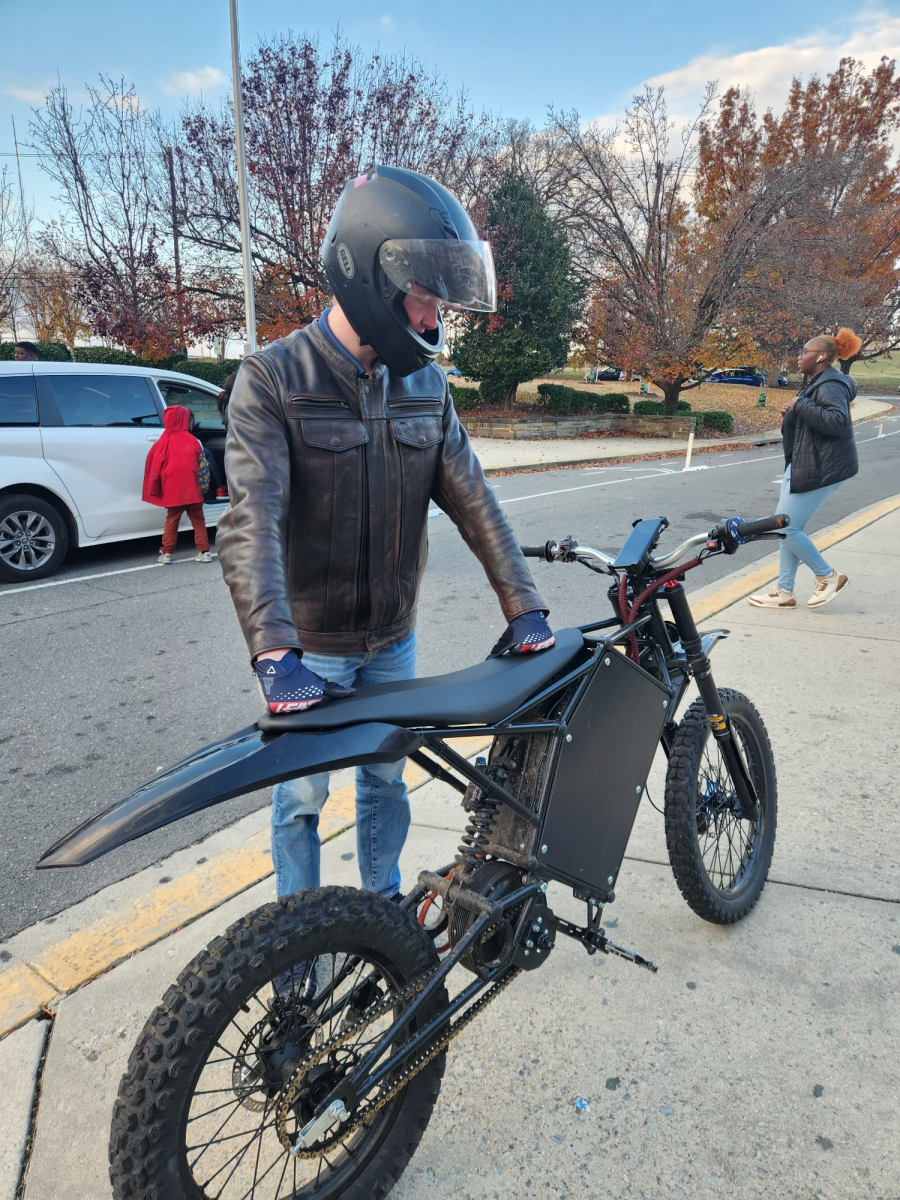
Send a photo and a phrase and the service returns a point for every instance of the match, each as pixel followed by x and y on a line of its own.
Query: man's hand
pixel 525 634
pixel 287 686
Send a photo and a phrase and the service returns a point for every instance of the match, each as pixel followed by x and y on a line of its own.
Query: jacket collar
pixel 828 374
pixel 339 363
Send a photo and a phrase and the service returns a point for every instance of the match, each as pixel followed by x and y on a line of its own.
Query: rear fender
pixel 243 762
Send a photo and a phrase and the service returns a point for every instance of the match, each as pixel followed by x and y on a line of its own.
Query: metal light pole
pixel 243 207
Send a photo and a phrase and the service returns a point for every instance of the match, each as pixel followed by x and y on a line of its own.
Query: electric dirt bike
pixel 301 1053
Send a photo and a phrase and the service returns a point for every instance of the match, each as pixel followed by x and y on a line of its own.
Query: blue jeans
pixel 797 547
pixel 382 805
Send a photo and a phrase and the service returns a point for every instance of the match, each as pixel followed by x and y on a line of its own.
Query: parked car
pixel 453 371
pixel 604 373
pixel 748 376
pixel 73 445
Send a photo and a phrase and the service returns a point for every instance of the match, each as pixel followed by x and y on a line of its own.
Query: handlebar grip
pixel 765 525
pixel 534 551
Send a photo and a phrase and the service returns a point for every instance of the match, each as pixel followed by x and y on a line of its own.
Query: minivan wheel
pixel 33 538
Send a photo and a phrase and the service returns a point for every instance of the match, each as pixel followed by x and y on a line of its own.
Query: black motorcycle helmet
pixel 396 232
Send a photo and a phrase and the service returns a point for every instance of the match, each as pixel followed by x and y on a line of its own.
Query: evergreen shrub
pixel 47 351
pixel 465 399
pixel 714 419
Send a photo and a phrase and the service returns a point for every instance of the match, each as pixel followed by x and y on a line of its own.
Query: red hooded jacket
pixel 172 470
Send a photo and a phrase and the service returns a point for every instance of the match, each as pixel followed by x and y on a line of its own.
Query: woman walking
pixel 819 455
pixel 172 480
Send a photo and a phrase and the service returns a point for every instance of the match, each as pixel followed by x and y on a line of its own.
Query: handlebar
pixel 727 536
pixel 765 525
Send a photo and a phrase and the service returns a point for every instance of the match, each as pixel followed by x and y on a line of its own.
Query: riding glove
pixel 526 633
pixel 288 686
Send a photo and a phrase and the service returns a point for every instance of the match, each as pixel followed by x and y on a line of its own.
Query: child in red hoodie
pixel 172 480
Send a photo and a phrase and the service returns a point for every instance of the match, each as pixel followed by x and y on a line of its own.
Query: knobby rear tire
pixel 148 1139
pixel 688 812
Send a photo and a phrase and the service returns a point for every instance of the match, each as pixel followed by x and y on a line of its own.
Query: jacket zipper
pixel 422 402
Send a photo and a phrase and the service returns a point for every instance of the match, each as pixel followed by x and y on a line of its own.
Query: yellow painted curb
pixel 26 987
pixel 739 588
pixel 23 994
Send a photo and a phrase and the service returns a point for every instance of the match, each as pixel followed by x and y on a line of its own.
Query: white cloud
pixel 768 72
pixel 204 79
pixel 30 95
pixel 386 22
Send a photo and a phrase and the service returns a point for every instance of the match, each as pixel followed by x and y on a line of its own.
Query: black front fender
pixel 241 763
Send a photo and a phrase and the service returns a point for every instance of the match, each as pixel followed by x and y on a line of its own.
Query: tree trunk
pixel 847 363
pixel 671 392
pixel 509 398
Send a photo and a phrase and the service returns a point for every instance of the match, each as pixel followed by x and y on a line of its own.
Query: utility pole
pixel 179 305
pixel 243 206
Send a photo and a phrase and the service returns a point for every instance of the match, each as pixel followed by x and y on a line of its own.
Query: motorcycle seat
pixel 478 695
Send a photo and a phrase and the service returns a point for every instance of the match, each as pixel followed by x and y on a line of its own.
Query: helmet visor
pixel 459 274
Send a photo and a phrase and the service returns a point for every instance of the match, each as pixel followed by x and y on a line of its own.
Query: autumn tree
pixel 832 258
pixel 668 279
pixel 529 334
pixel 50 300
pixel 15 222
pixel 314 118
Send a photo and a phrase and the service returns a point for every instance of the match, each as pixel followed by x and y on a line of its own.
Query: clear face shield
pixel 457 274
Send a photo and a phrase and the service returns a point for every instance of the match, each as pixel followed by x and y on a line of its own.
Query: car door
pixel 97 430
pixel 208 428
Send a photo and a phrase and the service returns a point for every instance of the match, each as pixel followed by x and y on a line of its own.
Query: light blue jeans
pixel 382 805
pixel 797 548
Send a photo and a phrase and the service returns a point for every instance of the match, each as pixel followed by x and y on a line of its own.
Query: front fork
pixel 719 724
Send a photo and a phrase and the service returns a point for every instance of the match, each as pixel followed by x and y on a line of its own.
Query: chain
pixel 422 1060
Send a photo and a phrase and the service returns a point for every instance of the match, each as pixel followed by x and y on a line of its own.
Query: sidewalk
pixel 506 455
pixel 760 1061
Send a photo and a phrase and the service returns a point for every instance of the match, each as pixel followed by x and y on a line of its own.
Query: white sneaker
pixel 164 559
pixel 775 598
pixel 827 587
pixel 203 556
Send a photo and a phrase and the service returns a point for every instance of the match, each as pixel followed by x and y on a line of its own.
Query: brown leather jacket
pixel 331 478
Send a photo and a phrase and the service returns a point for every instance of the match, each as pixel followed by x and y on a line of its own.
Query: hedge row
pixel 715 419
pixel 212 372
pixel 562 401
pixel 47 351
pixel 657 408
pixel 465 399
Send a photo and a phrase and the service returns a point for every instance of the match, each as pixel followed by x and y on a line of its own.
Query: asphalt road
pixel 118 670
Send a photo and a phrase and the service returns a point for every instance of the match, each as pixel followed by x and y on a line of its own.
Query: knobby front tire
pixel 197 1111
pixel 720 862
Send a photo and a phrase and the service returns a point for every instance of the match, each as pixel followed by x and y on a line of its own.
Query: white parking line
pixel 33 587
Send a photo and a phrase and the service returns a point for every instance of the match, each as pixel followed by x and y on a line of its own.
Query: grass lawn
pixel 878 375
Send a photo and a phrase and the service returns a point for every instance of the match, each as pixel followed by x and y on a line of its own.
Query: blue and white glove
pixel 525 634
pixel 288 685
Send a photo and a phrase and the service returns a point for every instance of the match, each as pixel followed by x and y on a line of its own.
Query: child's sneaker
pixel 203 556
pixel 827 587
pixel 774 598
pixel 164 559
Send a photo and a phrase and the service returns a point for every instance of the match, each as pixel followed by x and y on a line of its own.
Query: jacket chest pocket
pixel 328 464
pixel 333 433
pixel 418 440
pixel 421 431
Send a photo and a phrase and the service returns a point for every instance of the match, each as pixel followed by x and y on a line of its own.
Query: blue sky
pixel 514 58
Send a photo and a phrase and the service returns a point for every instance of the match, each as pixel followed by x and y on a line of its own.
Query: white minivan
pixel 74 438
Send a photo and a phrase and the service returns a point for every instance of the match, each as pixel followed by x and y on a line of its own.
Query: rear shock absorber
pixel 482 808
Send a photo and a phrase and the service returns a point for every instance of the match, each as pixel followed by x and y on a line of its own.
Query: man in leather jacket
pixel 341 436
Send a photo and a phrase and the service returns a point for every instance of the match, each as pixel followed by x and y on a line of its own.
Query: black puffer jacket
pixel 818 434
